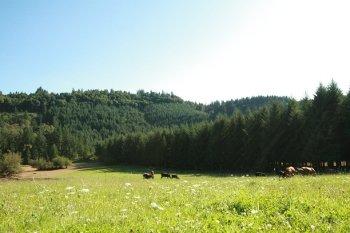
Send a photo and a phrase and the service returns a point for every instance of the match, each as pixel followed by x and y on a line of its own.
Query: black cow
pixel 166 175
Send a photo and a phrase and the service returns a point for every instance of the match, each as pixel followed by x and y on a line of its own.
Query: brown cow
pixel 148 175
pixel 289 171
pixel 307 171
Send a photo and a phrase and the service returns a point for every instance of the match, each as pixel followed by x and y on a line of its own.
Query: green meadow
pixel 118 199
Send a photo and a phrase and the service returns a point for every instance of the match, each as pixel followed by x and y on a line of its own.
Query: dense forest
pixel 314 130
pixel 44 125
pixel 162 130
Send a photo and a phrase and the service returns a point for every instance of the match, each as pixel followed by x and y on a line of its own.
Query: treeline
pixel 316 130
pixel 45 125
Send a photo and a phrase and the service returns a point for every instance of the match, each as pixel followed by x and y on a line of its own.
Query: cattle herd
pixel 287 172
pixel 291 171
pixel 150 175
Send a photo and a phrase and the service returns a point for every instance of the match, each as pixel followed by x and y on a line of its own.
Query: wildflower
pixel 312 227
pixel 254 211
pixel 84 190
pixel 73 212
pixel 156 206
pixel 69 188
pixel 128 184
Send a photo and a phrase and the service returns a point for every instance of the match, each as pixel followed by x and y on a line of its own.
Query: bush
pixel 10 164
pixel 61 162
pixel 56 163
pixel 41 164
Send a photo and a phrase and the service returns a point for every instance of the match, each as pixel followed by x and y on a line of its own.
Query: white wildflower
pixel 69 188
pixel 128 184
pixel 312 227
pixel 156 206
pixel 254 211
pixel 85 190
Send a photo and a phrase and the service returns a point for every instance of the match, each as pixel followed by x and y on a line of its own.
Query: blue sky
pixel 202 50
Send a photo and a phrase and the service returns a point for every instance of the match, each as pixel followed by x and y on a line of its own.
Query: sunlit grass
pixel 108 200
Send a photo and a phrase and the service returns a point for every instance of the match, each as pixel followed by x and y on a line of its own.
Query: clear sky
pixel 202 50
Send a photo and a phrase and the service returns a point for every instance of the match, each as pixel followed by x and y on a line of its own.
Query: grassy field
pixel 115 199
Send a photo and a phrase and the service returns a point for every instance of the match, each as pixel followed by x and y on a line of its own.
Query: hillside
pixel 42 124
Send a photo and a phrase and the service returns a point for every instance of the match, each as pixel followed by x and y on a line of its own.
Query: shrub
pixel 56 163
pixel 41 164
pixel 10 164
pixel 61 162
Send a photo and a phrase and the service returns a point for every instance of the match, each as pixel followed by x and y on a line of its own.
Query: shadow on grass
pixel 102 167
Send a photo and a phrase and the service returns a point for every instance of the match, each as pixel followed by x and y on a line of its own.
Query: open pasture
pixel 118 199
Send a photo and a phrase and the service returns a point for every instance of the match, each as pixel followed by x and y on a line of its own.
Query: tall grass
pixel 108 200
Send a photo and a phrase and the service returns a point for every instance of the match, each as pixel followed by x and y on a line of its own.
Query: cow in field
pixel 307 171
pixel 166 175
pixel 289 172
pixel 174 176
pixel 148 175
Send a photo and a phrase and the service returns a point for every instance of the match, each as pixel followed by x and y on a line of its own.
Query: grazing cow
pixel 260 174
pixel 148 175
pixel 307 171
pixel 289 171
pixel 166 175
pixel 174 176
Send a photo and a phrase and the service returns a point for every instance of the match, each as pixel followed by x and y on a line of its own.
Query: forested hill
pixel 313 131
pixel 44 124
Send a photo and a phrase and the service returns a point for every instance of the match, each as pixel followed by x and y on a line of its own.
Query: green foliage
pixel 293 132
pixel 10 164
pixel 58 162
pixel 61 162
pixel 41 164
pixel 44 125
pixel 162 130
